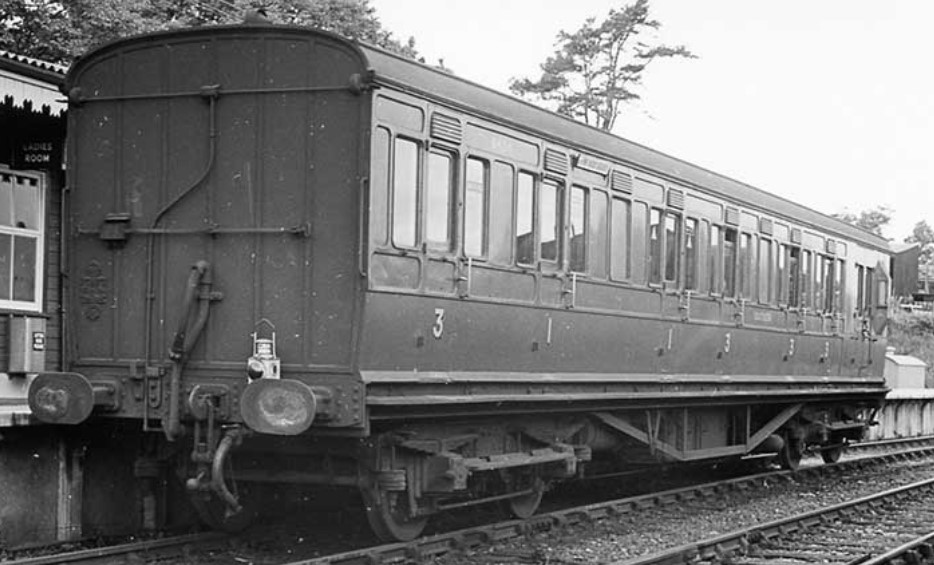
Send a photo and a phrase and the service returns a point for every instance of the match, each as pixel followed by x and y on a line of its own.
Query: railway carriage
pixel 295 258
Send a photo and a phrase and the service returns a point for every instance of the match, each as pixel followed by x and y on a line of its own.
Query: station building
pixel 32 137
pixel 35 463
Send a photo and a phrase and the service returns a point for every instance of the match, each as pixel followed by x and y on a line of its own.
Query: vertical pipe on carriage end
pixel 211 93
pixel 185 337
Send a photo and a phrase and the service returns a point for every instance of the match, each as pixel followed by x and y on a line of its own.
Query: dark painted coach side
pixel 444 329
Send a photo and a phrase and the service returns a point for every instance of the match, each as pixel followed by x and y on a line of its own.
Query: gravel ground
pixel 650 531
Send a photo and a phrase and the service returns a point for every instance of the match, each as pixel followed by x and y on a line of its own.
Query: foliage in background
pixel 61 31
pixel 872 220
pixel 924 235
pixel 599 67
pixel 912 333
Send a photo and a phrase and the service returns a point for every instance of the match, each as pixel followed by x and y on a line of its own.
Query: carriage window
pixel 745 262
pixel 637 241
pixel 598 233
pixel 765 271
pixel 703 259
pixel 690 254
pixel 729 262
pixel 549 226
pixel 819 280
pixel 782 288
pixel 715 259
pixel 404 192
pixel 525 239
pixel 475 207
pixel 804 289
pixel 578 250
pixel 827 289
pixel 379 187
pixel 619 244
pixel 672 246
pixel 861 298
pixel 438 200
pixel 500 211
pixel 794 275
pixel 881 294
pixel 838 289
pixel 655 245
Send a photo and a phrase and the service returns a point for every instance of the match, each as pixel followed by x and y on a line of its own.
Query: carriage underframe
pixel 417 462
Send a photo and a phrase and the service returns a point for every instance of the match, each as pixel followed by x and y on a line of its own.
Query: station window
pixel 549 221
pixel 475 210
pixel 500 212
pixel 404 193
pixel 578 242
pixel 438 189
pixel 715 259
pixel 690 254
pixel 619 239
pixel 729 262
pixel 525 238
pixel 21 220
pixel 598 233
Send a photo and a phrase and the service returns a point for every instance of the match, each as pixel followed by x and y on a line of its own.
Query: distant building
pixel 905 269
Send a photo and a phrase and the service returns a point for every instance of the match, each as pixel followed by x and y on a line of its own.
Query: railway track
pixel 180 548
pixel 427 548
pixel 174 548
pixel 894 526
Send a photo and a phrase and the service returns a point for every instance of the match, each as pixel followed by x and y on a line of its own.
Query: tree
pixel 599 67
pixel 923 235
pixel 872 220
pixel 60 31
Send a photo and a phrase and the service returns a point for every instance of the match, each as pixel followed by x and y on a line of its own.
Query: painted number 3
pixel 437 330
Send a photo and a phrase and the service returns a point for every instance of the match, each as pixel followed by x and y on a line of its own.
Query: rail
pixel 427 548
pixel 745 541
pixel 161 548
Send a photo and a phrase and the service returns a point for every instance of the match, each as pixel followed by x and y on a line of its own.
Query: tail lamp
pixel 263 363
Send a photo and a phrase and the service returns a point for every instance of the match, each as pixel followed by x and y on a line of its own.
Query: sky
pixel 825 102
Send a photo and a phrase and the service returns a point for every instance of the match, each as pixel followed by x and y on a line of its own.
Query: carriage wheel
pixel 389 516
pixel 832 454
pixel 789 457
pixel 525 506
